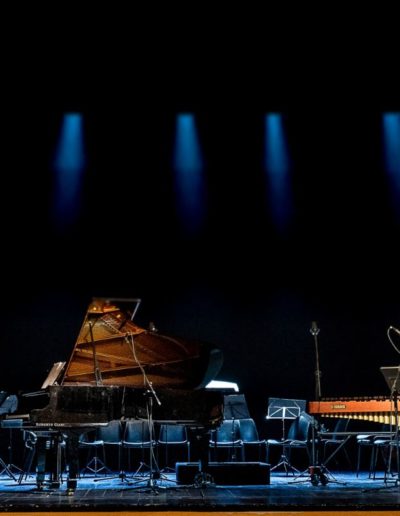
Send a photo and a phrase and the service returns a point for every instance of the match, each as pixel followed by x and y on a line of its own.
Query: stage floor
pixel 282 494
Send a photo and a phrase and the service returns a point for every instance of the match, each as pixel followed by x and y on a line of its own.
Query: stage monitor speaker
pixel 226 473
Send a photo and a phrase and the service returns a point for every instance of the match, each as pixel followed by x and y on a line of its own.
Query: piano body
pixel 115 368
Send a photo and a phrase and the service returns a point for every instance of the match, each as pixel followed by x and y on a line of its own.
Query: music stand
pixel 235 407
pixel 279 408
pixel 392 378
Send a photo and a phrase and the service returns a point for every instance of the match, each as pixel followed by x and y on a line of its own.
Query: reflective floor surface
pixel 341 491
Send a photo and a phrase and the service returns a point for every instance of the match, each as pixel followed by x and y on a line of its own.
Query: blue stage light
pixel 391 151
pixel 277 168
pixel 189 168
pixel 68 165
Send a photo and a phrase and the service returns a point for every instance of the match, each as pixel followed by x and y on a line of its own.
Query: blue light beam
pixel 189 168
pixel 391 153
pixel 68 166
pixel 277 168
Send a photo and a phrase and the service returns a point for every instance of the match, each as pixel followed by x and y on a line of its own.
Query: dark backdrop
pixel 239 283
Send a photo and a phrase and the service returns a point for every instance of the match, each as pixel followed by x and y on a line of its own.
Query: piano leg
pixel 72 459
pixel 40 461
pixel 49 450
pixel 56 460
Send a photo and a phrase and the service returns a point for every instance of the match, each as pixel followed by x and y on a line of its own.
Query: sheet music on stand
pixel 281 408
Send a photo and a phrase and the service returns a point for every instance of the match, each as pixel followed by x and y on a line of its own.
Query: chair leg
pixel 27 465
pixel 358 460
pixel 373 462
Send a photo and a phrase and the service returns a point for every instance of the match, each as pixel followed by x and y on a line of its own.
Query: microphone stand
pixel 151 395
pixel 314 330
pixel 317 473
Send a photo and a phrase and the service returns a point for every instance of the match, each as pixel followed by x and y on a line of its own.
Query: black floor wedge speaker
pixel 226 473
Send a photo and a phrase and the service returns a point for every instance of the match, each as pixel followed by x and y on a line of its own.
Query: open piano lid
pixel 112 350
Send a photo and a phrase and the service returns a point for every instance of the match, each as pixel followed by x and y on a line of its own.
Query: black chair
pixel 390 453
pixel 30 440
pixel 376 445
pixel 336 441
pixel 173 437
pixel 226 437
pixel 104 437
pixel 365 442
pixel 302 437
pixel 250 438
pixel 111 436
pixel 137 436
pixel 298 437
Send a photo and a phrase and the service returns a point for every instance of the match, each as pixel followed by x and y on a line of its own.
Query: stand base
pixel 95 466
pixel 317 475
pixel 285 465
pixel 7 469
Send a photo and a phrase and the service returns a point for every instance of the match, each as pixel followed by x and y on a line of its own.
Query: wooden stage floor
pixel 283 495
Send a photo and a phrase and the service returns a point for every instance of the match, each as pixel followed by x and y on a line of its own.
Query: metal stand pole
pixel 314 330
pixel 316 473
pixel 284 461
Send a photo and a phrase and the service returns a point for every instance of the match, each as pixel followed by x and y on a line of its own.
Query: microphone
pixel 394 329
pixel 314 330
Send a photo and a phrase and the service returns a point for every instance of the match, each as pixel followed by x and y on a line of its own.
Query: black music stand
pixel 235 407
pixel 392 378
pixel 283 409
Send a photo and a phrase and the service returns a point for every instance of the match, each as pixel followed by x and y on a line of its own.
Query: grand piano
pixel 116 370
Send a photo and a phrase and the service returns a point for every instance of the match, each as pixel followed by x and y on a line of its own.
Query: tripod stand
pixel 316 472
pixel 6 469
pixel 10 469
pixel 154 473
pixel 284 460
pixel 284 409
